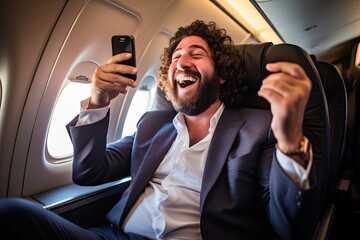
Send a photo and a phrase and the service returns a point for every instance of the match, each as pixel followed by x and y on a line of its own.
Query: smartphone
pixel 121 44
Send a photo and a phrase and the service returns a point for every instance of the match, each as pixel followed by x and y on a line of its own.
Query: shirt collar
pixel 179 120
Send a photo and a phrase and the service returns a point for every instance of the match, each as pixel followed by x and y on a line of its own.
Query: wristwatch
pixel 302 151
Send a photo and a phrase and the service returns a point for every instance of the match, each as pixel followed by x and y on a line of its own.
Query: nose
pixel 184 61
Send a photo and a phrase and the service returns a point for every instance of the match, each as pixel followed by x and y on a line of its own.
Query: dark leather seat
pixel 336 96
pixel 352 149
pixel 316 124
pixel 343 217
pixel 354 141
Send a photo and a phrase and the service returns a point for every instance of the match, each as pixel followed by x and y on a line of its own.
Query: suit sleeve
pixel 292 210
pixel 94 161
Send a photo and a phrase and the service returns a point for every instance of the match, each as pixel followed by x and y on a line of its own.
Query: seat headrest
pixel 256 56
pixel 254 61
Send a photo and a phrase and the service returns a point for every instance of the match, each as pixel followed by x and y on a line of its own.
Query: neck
pixel 198 126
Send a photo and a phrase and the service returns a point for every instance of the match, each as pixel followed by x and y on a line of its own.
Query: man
pixel 207 170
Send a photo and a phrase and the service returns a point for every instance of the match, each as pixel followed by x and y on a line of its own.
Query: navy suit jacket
pixel 245 194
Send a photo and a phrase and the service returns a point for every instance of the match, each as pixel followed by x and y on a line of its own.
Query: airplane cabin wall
pixel 73 32
pixel 25 27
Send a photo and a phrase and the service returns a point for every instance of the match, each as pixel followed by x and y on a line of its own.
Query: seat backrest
pixel 354 103
pixel 336 95
pixel 352 150
pixel 316 120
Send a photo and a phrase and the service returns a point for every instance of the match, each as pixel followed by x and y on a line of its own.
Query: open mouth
pixel 185 81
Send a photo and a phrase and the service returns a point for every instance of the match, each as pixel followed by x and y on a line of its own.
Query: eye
pixel 175 57
pixel 198 54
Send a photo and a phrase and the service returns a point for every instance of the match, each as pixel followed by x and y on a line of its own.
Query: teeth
pixel 182 79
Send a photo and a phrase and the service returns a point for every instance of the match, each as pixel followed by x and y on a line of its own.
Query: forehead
pixel 193 41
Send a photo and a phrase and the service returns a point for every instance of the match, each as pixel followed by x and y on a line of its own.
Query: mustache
pixel 190 72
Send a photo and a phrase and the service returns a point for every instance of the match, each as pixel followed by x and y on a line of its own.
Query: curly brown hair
pixel 228 61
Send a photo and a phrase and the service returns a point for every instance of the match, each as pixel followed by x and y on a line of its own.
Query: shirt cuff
pixel 89 116
pixel 295 171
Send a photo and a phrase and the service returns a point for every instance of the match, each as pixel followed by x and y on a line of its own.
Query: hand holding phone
pixel 122 44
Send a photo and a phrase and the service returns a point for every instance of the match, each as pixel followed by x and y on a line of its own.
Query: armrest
pixel 83 205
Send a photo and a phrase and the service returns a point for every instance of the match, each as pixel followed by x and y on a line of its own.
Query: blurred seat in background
pixel 352 150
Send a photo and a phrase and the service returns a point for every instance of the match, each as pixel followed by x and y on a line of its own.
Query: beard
pixel 206 95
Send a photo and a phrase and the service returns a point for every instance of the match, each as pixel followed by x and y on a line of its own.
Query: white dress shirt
pixel 171 201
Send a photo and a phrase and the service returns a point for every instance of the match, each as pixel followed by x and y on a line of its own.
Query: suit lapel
pixel 227 128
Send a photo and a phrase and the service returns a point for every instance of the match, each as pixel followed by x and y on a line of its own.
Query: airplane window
pixel 59 146
pixel 141 102
pixel 138 106
pixel 67 107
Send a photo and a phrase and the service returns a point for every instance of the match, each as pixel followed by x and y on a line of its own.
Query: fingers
pixel 119 58
pixel 108 76
pixel 108 80
pixel 291 69
pixel 114 65
pixel 287 89
pixel 112 71
pixel 288 80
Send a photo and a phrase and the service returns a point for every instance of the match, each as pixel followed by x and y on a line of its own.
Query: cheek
pixel 171 72
pixel 207 68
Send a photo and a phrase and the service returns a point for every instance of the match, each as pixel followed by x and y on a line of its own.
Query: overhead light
pixel 245 12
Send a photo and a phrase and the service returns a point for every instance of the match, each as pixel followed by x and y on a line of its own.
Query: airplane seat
pixel 335 91
pixel 316 124
pixel 353 141
pixel 352 79
pixel 316 119
pixel 347 198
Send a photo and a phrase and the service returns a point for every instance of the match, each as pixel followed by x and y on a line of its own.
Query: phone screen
pixel 121 44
